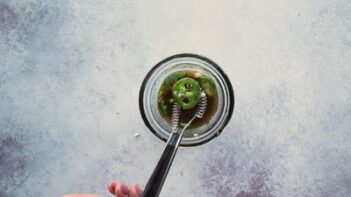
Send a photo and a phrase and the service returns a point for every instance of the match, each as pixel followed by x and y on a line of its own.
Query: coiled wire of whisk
pixel 175 116
pixel 202 105
pixel 200 111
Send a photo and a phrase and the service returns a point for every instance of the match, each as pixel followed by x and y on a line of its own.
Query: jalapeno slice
pixel 207 85
pixel 186 92
pixel 162 106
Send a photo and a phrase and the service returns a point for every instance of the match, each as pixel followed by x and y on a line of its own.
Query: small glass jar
pixel 186 62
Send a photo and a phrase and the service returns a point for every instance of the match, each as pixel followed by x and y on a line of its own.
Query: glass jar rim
pixel 226 86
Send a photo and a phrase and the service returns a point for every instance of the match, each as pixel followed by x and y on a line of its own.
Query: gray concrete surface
pixel 70 73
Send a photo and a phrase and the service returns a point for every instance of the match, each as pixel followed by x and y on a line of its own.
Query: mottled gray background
pixel 70 75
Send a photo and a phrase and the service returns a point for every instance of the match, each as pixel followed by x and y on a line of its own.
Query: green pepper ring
pixel 186 92
pixel 208 86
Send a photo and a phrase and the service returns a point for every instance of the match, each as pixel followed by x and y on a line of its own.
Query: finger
pixel 81 195
pixel 121 190
pixel 112 187
pixel 135 191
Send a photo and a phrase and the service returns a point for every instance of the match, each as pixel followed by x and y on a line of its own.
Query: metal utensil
pixel 155 183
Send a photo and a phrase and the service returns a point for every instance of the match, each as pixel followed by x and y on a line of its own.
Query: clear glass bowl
pixel 185 62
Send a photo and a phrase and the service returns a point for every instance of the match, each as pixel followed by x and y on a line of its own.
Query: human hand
pixel 121 190
pixel 81 195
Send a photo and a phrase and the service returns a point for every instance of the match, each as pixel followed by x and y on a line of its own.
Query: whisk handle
pixel 155 183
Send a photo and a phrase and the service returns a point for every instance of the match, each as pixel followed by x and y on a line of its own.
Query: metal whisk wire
pixel 200 111
pixel 202 105
pixel 175 116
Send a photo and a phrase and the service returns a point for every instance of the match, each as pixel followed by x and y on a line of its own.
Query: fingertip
pixel 136 191
pixel 80 195
pixel 112 187
pixel 121 189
